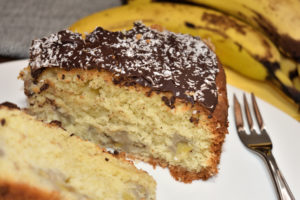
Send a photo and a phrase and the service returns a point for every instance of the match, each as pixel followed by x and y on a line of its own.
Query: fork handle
pixel 283 190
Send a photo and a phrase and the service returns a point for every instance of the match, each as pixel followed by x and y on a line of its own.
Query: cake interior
pixel 127 118
pixel 35 156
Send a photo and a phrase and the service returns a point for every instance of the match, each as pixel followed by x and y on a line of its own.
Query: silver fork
pixel 260 144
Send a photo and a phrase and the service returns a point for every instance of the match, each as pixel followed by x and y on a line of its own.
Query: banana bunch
pixel 279 20
pixel 238 45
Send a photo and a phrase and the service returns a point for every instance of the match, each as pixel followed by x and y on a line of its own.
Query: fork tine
pixel 238 114
pixel 257 112
pixel 248 114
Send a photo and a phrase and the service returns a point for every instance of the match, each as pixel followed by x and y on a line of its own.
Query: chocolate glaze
pixel 169 102
pixel 163 61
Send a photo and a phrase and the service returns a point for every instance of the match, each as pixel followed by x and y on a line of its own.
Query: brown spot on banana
pixel 293 93
pixel 281 81
pixel 242 16
pixel 293 74
pixel 224 22
pixel 287 45
pixel 271 66
pixel 268 47
pixel 239 45
pixel 190 25
pixel 193 26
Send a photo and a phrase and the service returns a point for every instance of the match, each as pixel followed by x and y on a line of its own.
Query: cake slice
pixel 43 162
pixel 156 95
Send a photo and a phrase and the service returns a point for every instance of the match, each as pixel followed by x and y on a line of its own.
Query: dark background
pixel 23 21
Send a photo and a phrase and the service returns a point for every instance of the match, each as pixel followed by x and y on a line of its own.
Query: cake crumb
pixel 36 90
pixel 45 86
pixel 1 153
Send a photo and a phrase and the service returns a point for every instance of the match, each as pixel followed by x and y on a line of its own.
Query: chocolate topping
pixel 163 61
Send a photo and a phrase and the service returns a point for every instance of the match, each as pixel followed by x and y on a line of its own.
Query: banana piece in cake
pixel 156 95
pixel 43 162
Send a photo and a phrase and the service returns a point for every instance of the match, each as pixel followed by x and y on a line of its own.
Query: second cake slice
pixel 43 162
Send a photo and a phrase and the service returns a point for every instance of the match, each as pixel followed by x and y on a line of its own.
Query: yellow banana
pixel 296 82
pixel 286 77
pixel 287 71
pixel 237 44
pixel 280 20
pixel 138 1
pixel 288 66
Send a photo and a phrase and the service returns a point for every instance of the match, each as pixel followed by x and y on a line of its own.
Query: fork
pixel 261 144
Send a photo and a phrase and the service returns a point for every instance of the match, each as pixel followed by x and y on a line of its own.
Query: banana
pixel 296 82
pixel 280 20
pixel 237 44
pixel 286 77
pixel 287 71
pixel 296 78
pixel 137 1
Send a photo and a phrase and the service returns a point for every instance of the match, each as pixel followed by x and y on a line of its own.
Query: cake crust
pixel 10 190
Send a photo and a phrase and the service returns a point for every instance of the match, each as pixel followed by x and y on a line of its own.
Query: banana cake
pixel 158 96
pixel 43 162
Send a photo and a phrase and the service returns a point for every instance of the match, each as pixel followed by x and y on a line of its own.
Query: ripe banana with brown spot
pixel 278 19
pixel 286 71
pixel 296 79
pixel 296 82
pixel 237 44
pixel 287 78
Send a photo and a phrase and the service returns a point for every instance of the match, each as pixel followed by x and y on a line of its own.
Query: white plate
pixel 242 174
